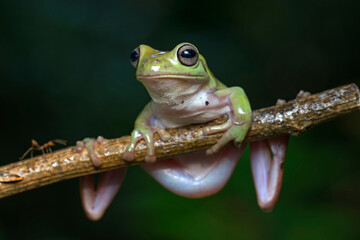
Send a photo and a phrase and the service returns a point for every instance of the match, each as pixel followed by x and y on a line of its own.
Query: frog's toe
pixel 164 135
pixel 210 151
pixel 80 146
pixel 101 140
pixel 238 144
pixel 217 128
pixel 150 158
pixel 225 139
pixel 214 149
pixel 128 156
pixel 90 144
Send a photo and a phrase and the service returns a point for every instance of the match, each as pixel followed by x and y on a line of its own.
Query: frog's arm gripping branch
pixel 293 117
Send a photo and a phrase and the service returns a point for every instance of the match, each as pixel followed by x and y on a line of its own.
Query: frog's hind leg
pixel 196 175
pixel 267 162
pixel 95 202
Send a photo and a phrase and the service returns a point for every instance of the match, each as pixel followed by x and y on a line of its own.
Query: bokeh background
pixel 65 73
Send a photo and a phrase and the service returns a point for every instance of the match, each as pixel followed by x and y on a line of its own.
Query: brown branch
pixel 293 117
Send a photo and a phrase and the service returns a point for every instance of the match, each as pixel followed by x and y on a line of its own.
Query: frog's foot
pixel 146 133
pixel 233 131
pixel 95 202
pixel 303 94
pixel 267 162
pixel 196 175
pixel 90 145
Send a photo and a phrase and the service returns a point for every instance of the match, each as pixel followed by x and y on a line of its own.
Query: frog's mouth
pixel 196 175
pixel 182 76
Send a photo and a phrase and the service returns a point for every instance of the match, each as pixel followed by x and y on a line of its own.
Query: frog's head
pixel 183 63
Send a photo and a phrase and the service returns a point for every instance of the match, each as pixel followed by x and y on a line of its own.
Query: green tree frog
pixel 184 91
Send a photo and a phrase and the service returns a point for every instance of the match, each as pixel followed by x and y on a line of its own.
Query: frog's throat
pixel 172 91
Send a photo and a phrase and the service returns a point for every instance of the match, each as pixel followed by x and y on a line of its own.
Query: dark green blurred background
pixel 65 73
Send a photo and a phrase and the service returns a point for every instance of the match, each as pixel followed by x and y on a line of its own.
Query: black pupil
pixel 188 53
pixel 134 56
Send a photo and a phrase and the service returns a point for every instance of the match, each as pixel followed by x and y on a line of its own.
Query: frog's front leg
pixel 239 121
pixel 96 201
pixel 143 130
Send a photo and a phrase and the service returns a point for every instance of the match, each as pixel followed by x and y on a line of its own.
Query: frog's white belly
pixel 196 174
pixel 201 107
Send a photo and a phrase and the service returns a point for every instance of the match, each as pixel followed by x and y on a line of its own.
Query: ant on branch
pixel 45 148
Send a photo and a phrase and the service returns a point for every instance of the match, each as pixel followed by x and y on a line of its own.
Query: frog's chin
pixel 196 175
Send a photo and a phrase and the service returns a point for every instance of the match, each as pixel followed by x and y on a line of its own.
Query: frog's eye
pixel 188 55
pixel 134 57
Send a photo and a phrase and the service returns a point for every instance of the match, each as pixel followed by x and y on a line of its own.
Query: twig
pixel 293 117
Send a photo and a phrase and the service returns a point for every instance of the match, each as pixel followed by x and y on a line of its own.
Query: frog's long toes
pixel 217 128
pixel 80 146
pixel 101 140
pixel 90 144
pixel 206 130
pixel 164 135
pixel 150 158
pixel 96 161
pixel 212 130
pixel 128 156
pixel 238 144
pixel 211 151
